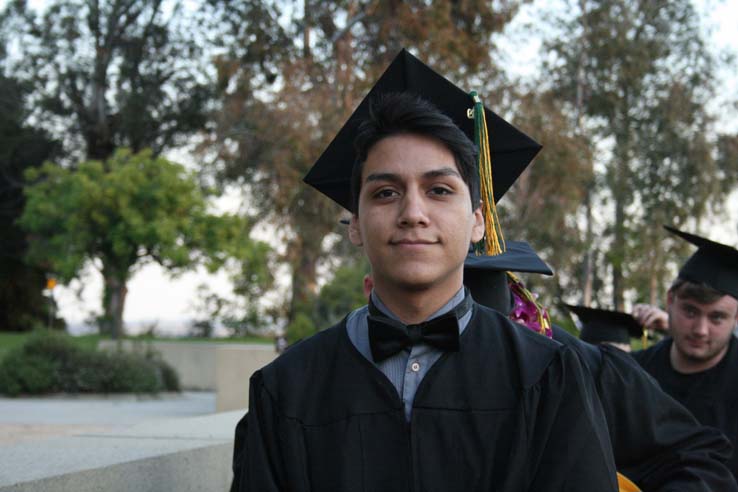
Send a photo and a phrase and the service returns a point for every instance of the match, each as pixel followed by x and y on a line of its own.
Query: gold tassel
pixel 493 242
pixel 644 339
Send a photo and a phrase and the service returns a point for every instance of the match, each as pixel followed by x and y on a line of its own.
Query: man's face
pixel 415 219
pixel 701 332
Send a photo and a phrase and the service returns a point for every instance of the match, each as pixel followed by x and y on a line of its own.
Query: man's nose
pixel 413 210
pixel 702 326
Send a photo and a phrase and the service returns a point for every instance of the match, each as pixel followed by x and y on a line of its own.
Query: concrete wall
pixel 234 366
pixel 189 454
pixel 196 364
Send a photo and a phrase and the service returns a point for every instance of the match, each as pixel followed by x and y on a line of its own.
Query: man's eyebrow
pixel 444 171
pixel 395 178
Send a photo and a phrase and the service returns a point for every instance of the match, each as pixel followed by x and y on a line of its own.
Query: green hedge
pixel 51 363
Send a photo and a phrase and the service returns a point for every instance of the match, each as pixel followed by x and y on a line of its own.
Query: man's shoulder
pixel 519 336
pixel 309 351
pixel 650 355
pixel 530 352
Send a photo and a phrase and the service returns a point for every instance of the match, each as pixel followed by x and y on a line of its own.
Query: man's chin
pixel 699 355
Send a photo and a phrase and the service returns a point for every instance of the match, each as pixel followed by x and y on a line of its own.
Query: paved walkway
pixel 23 419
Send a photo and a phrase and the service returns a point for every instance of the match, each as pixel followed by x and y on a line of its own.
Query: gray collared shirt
pixel 406 369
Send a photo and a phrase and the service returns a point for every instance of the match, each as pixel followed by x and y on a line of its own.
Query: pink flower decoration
pixel 526 310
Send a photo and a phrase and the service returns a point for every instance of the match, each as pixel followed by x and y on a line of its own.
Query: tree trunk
pixel 618 249
pixel 304 279
pixel 589 255
pixel 114 299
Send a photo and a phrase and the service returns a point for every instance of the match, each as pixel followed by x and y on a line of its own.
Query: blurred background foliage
pixel 111 95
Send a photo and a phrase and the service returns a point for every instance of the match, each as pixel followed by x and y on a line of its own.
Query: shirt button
pixel 415 367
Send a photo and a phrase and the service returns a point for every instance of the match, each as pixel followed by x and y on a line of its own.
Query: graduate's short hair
pixel 701 293
pixel 397 113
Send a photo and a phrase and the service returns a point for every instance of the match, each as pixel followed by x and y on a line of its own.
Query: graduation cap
pixel 518 257
pixel 713 264
pixel 491 283
pixel 510 150
pixel 601 325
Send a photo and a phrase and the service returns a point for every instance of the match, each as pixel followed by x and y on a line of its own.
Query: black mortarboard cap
pixel 518 257
pixel 601 325
pixel 486 276
pixel 511 149
pixel 713 264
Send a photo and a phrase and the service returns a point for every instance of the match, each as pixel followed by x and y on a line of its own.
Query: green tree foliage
pixel 289 78
pixel 544 204
pixel 120 73
pixel 341 295
pixel 121 213
pixel 22 304
pixel 640 75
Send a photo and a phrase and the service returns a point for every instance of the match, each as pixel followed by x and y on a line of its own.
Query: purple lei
pixel 526 310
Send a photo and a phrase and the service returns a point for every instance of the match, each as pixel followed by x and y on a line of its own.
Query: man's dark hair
pixel 404 113
pixel 701 293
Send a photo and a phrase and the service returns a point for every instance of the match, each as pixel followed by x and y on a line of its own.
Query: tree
pixel 120 73
pixel 641 75
pixel 288 83
pixel 22 305
pixel 344 293
pixel 544 205
pixel 121 213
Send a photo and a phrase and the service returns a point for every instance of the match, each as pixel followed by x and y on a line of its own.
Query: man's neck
pixel 414 306
pixel 685 365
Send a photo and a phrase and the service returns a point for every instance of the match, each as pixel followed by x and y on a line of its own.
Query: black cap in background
pixel 601 325
pixel 713 264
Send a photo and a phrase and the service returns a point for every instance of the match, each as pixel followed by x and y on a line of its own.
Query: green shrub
pixel 50 363
pixel 132 373
pixel 27 373
pixel 167 375
pixel 301 327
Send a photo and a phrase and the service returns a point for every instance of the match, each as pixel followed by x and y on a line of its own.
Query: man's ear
pixel 478 227
pixel 669 298
pixel 354 231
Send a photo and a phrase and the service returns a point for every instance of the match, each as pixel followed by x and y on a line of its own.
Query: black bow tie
pixel 388 336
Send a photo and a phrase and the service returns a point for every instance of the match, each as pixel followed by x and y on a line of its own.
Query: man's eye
pixel 385 193
pixel 440 190
pixel 690 311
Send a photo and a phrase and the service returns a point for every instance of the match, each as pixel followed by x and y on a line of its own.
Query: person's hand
pixel 651 317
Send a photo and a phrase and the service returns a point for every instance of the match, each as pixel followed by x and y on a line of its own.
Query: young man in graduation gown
pixel 698 363
pixel 423 389
pixel 656 442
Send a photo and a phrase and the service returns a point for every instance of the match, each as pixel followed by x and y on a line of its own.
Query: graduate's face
pixel 415 219
pixel 701 331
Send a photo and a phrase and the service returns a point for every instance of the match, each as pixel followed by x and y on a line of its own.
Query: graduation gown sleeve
pixel 257 464
pixel 656 441
pixel 571 432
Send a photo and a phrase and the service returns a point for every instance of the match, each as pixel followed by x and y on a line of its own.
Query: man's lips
pixel 696 343
pixel 411 242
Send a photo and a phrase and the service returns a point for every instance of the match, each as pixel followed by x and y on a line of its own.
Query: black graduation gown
pixel 656 442
pixel 711 395
pixel 511 412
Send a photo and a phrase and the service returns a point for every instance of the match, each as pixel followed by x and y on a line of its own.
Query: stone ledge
pixel 188 454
